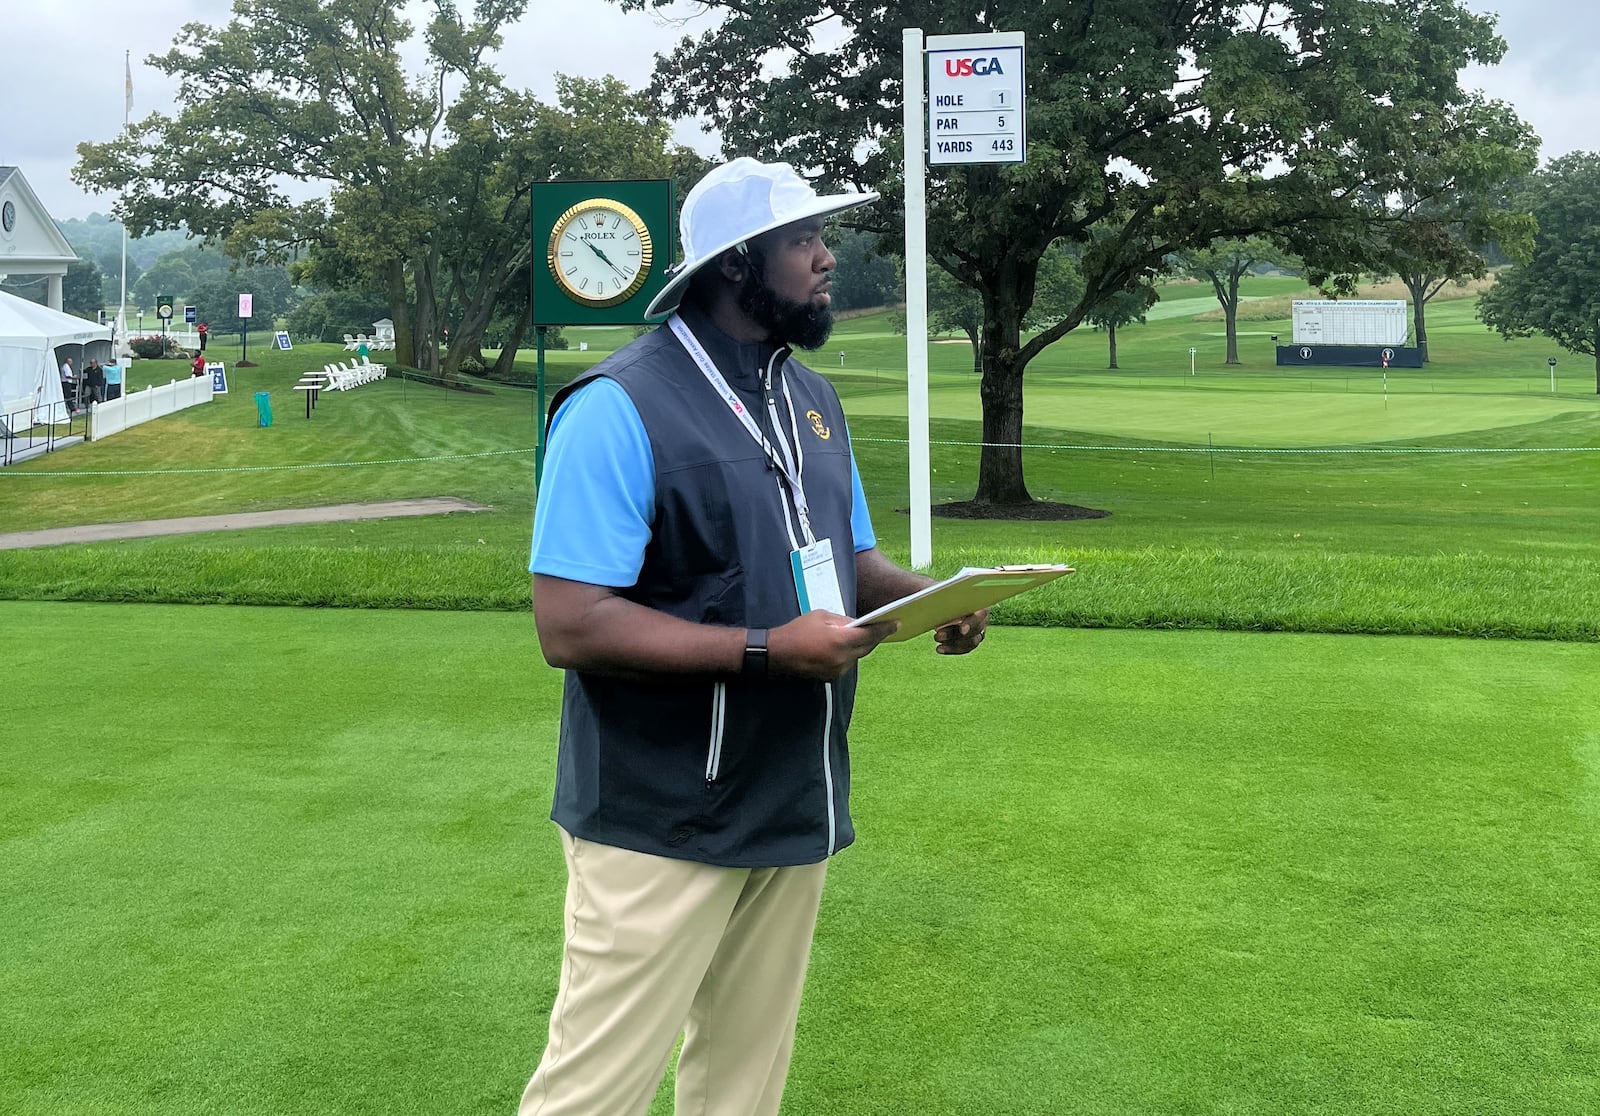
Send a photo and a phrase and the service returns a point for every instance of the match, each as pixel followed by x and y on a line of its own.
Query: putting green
pixel 1246 418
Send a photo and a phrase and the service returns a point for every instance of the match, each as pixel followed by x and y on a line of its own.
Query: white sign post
pixel 917 307
pixel 975 114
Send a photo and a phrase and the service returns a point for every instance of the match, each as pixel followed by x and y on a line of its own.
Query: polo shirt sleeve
pixel 597 497
pixel 860 521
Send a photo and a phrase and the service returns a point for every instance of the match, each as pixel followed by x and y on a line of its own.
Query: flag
pixel 127 83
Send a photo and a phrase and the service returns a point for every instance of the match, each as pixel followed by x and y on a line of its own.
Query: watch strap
pixel 755 654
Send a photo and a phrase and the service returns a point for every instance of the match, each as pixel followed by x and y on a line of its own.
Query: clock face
pixel 8 216
pixel 600 253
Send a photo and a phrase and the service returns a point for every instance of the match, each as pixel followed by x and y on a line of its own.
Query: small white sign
pixel 245 305
pixel 282 338
pixel 975 99
pixel 219 377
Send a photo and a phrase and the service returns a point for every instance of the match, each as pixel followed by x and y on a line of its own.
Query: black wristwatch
pixel 755 654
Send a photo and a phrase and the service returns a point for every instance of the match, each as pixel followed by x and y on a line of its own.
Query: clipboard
pixel 954 597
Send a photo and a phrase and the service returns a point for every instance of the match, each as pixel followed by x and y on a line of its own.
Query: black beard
pixel 797 324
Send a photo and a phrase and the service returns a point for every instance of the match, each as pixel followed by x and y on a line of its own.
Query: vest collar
pixel 741 364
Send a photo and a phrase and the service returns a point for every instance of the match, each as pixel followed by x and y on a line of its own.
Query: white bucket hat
pixel 735 202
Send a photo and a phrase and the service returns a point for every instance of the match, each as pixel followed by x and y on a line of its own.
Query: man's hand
pixel 963 635
pixel 821 645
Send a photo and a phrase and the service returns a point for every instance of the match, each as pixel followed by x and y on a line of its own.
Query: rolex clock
pixel 600 252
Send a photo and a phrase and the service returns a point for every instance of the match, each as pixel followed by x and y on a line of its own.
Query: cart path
pixel 195 524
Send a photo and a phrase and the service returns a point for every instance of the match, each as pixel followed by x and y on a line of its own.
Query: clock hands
pixel 605 259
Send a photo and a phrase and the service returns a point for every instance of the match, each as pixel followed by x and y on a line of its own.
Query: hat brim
pixel 667 299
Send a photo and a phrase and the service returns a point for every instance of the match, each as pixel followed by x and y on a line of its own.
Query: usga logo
pixel 967 67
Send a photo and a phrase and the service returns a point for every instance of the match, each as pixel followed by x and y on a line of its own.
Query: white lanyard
pixel 792 467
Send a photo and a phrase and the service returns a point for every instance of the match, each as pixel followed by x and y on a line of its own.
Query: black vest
pixel 717 769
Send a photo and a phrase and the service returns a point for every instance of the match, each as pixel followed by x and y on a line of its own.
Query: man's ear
pixel 731 264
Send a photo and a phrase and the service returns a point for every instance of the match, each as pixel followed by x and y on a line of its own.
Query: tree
pixel 864 278
pixel 1223 263
pixel 80 290
pixel 1460 203
pixel 315 93
pixel 1557 292
pixel 1185 122
pixel 504 142
pixel 1120 309
pixel 329 315
pixel 216 298
pixel 953 308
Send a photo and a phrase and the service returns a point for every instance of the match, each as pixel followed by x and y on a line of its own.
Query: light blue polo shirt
pixel 597 497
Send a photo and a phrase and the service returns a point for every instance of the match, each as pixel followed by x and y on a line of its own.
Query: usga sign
pixel 964 67
pixel 975 99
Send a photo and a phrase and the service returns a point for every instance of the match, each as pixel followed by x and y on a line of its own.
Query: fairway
pixel 1099 872
pixel 1188 415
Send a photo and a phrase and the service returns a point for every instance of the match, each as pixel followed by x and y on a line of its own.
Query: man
pixel 699 485
pixel 69 385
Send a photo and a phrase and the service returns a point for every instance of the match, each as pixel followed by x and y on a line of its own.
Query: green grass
pixel 296 860
pixel 1490 544
pixel 1170 872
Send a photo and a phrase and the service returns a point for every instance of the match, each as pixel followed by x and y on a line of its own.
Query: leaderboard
pixel 975 99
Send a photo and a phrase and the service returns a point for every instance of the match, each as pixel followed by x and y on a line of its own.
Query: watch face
pixel 8 216
pixel 600 253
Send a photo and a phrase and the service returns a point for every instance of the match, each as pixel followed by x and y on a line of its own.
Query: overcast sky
pixel 63 80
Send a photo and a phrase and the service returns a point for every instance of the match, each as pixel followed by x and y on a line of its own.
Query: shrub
pixel 153 346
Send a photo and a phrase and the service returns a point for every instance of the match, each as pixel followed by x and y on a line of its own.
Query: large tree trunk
pixel 1111 332
pixel 1230 318
pixel 425 337
pixel 508 351
pixel 1000 463
pixel 477 312
pixel 1417 286
pixel 394 292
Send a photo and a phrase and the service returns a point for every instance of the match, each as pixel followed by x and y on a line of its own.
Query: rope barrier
pixel 266 468
pixel 1245 449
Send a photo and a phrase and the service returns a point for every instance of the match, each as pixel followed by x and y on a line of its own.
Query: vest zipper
pixel 827 767
pixel 719 709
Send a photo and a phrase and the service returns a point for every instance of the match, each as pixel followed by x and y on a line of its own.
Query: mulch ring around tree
pixel 1036 511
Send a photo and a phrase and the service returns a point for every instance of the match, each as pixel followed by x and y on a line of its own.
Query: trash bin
pixel 264 408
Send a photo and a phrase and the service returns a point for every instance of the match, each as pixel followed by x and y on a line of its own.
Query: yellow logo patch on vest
pixel 816 424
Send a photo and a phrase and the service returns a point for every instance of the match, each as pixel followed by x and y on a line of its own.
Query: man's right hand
pixel 821 645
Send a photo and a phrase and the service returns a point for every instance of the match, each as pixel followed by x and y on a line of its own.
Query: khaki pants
pixel 656 946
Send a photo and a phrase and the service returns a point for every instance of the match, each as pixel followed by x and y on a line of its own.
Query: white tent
pixel 34 340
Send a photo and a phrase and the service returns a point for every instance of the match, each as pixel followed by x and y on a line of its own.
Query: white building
pixel 30 243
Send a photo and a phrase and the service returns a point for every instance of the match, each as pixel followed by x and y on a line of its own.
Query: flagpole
pixel 122 308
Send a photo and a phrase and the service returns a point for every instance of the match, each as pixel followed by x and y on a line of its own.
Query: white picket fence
pixel 106 419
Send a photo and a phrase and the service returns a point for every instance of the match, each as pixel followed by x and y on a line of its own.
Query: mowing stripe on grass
pixel 1218 448
pixel 288 860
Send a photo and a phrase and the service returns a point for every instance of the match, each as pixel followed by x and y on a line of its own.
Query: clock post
pixel 600 254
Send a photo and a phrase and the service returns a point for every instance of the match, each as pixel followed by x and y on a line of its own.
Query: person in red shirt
pixel 199 365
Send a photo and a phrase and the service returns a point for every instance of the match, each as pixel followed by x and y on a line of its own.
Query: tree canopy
pixel 1460 201
pixel 1222 264
pixel 1557 292
pixel 425 175
pixel 1180 123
